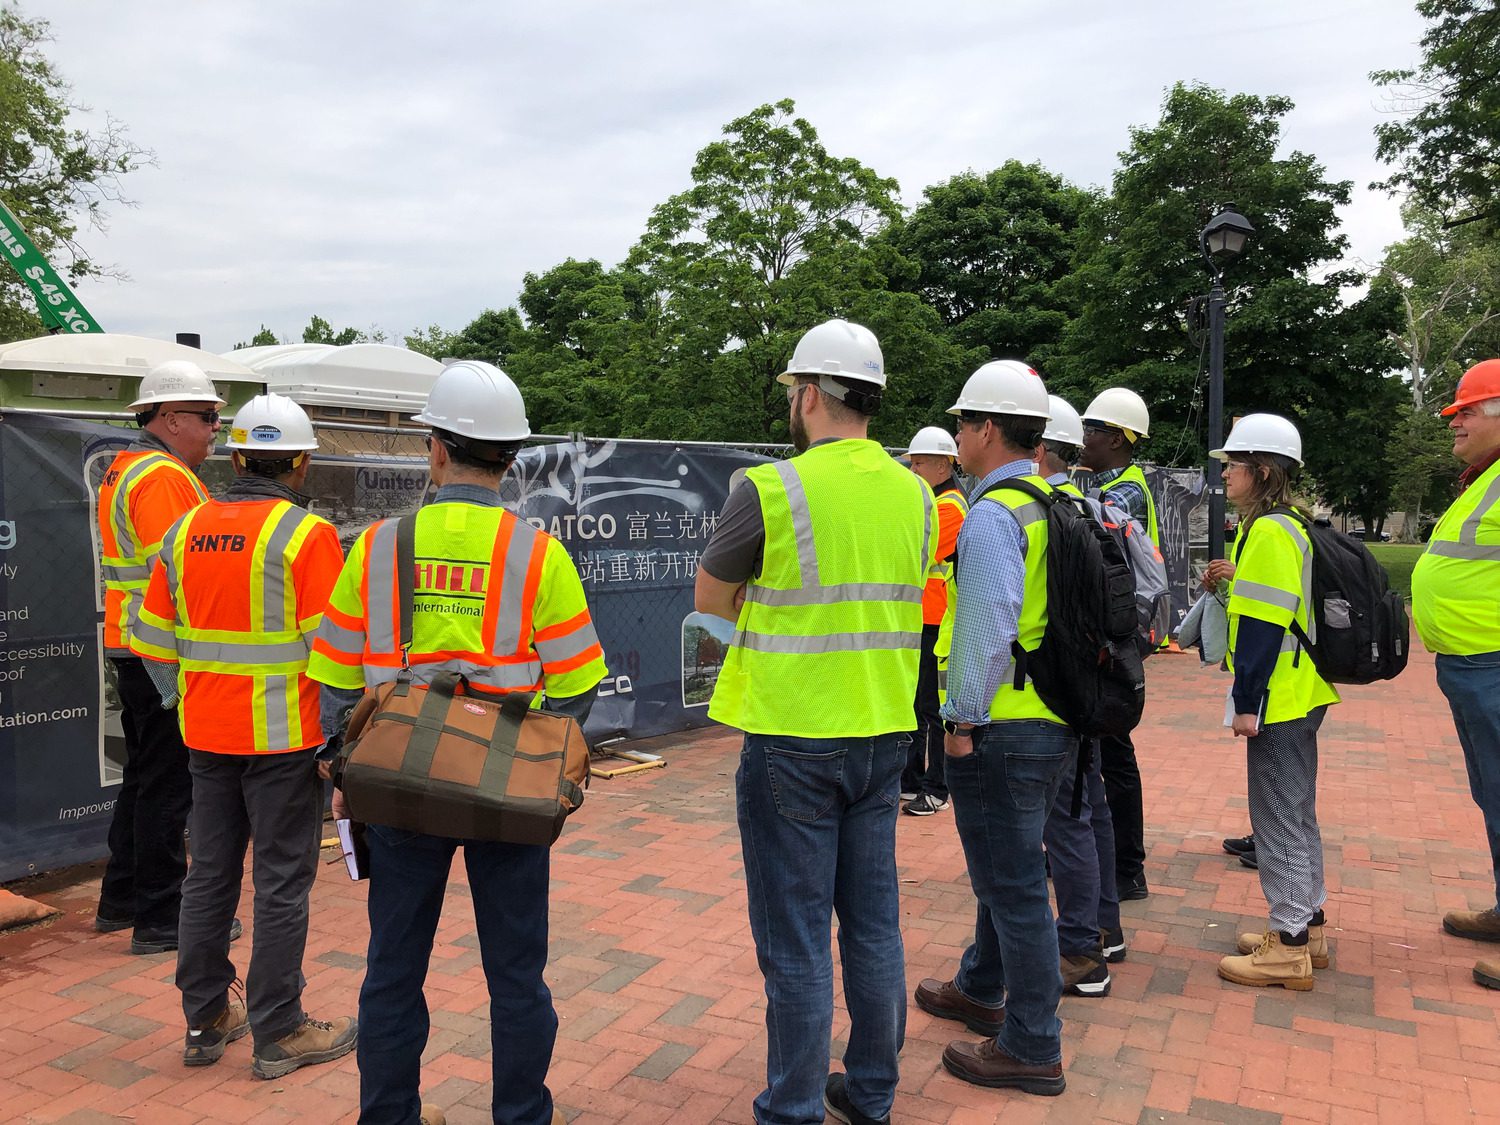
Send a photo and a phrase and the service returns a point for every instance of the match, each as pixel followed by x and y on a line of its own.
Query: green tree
pixel 1292 344
pixel 434 341
pixel 991 252
pixel 54 176
pixel 264 338
pixel 319 331
pixel 1446 153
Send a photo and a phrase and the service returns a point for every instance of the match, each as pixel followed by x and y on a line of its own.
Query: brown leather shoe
pixel 1487 973
pixel 1476 925
pixel 944 1000
pixel 432 1115
pixel 313 1041
pixel 986 1064
pixel 205 1045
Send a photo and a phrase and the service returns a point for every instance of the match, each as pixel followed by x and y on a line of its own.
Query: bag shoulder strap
pixel 406 571
pixel 1020 484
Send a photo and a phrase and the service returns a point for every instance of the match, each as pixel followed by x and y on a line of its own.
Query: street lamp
pixel 1222 241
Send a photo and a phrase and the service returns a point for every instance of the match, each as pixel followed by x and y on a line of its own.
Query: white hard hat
pixel 1004 386
pixel 1262 433
pixel 837 347
pixel 476 400
pixel 271 424
pixel 177 380
pixel 1065 426
pixel 1122 409
pixel 934 440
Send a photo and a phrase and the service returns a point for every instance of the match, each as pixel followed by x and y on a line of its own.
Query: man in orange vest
pixel 148 486
pixel 230 614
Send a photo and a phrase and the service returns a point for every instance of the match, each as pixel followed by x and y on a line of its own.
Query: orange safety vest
pixel 240 592
pixel 144 492
pixel 952 507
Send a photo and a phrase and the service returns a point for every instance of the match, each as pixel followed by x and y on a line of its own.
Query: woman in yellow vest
pixel 1277 702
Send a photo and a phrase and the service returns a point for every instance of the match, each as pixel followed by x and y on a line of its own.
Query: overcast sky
pixel 404 164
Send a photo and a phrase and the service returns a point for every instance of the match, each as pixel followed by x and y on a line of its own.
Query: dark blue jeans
pixel 1002 793
pixel 1082 852
pixel 1472 685
pixel 818 829
pixel 408 875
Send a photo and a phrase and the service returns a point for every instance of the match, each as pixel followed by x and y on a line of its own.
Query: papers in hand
pixel 352 844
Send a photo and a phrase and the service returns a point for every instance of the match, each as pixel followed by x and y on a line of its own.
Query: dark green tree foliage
pixel 991 251
pixel 1292 345
pixel 53 177
pixel 264 338
pixel 1447 151
pixel 319 331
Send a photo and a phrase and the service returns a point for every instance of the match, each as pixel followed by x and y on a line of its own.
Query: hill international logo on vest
pixel 452 578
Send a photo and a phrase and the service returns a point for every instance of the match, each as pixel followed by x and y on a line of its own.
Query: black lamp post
pixel 1222 241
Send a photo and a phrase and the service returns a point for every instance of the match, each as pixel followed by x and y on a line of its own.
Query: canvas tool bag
pixel 447 762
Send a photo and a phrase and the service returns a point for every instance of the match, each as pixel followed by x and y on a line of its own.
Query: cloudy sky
pixel 405 164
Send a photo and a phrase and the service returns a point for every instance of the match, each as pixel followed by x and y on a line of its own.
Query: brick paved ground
pixel 661 1004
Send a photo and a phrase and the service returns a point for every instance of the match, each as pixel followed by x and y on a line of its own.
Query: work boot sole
pixel 1294 984
pixel 207 1055
pixel 1488 980
pixel 1094 990
pixel 1047 1087
pixel 973 1023
pixel 263 1069
pixel 1472 935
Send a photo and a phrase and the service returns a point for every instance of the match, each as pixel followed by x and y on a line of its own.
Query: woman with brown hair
pixel 1278 700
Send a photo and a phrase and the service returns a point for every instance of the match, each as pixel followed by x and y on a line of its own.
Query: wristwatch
pixel 958 728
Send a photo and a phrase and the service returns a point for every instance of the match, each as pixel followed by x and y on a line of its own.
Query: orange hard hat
pixel 1480 382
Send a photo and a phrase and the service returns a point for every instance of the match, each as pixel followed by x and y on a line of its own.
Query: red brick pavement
pixel 660 1001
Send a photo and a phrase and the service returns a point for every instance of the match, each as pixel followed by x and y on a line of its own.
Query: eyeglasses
pixel 1090 428
pixel 208 417
pixel 1234 465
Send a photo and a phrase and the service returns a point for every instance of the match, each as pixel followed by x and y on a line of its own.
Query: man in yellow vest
pixel 227 625
pixel 821 561
pixel 1007 751
pixel 148 486
pixel 1114 425
pixel 501 602
pixel 1455 591
pixel 933 457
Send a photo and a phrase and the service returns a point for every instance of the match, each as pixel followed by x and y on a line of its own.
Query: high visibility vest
pixel 143 493
pixel 495 599
pixel 1455 587
pixel 1133 473
pixel 828 638
pixel 952 506
pixel 235 602
pixel 1273 582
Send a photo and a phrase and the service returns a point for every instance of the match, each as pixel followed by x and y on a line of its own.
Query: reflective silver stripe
pixel 278 733
pixel 929 509
pixel 241 652
pixel 1271 595
pixel 511 575
pixel 569 645
pixel 276 616
pixel 1289 643
pixel 125 540
pixel 829 642
pixel 1305 546
pixel 123 574
pixel 380 566
pixel 168 557
pixel 154 636
pixel 833 595
pixel 1469 532
pixel 1476 552
pixel 503 676
pixel 340 639
pixel 802 528
pixel 1029 513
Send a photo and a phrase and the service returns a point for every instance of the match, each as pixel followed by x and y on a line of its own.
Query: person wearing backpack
pixel 1455 589
pixel 1114 425
pixel 1277 702
pixel 1007 750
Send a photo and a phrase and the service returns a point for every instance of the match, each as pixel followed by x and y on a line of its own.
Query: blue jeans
pixel 1002 793
pixel 1082 852
pixel 818 829
pixel 1472 685
pixel 408 875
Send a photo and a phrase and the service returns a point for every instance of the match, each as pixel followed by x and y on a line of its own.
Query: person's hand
pixel 1218 571
pixel 325 771
pixel 959 745
pixel 1246 726
pixel 340 808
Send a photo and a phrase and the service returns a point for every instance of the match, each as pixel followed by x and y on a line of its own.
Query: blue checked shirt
pixel 991 589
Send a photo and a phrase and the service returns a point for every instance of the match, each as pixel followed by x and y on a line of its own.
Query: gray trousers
pixel 278 800
pixel 1283 783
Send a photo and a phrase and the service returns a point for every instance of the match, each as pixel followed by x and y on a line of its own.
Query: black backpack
pixel 1363 632
pixel 1087 668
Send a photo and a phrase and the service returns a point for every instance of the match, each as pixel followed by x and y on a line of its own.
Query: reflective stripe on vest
pixel 1455 585
pixel 1134 474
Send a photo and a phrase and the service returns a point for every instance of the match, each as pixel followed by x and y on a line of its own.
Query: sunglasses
pixel 1090 428
pixel 209 417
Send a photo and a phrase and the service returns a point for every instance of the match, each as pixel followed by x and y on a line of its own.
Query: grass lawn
pixel 1398 560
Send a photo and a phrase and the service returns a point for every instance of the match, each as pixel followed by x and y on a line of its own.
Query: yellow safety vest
pixel 827 641
pixel 1455 587
pixel 1133 473
pixel 1273 582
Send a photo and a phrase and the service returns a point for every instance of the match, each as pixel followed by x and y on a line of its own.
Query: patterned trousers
pixel 1282 763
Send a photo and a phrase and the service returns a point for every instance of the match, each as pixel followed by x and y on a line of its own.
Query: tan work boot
pixel 432 1115
pixel 1317 945
pixel 314 1041
pixel 1487 973
pixel 205 1045
pixel 1272 963
pixel 1477 925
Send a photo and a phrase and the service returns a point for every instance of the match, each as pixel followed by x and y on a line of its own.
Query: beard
pixel 798 427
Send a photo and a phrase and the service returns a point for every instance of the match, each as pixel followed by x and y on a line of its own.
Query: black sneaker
pixel 925 805
pixel 1112 945
pixel 1084 975
pixel 1247 859
pixel 107 921
pixel 1239 845
pixel 1134 889
pixel 145 944
pixel 836 1102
